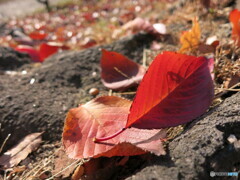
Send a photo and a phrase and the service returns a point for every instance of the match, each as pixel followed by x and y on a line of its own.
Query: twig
pixel 223 91
pixel 144 57
pixel 122 73
pixel 4 142
pixel 125 93
pixel 110 92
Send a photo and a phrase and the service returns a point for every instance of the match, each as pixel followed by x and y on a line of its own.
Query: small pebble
pixel 24 72
pixel 232 138
pixel 94 74
pixel 93 91
pixel 32 81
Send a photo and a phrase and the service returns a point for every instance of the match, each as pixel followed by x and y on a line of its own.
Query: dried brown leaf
pixel 21 151
pixel 61 162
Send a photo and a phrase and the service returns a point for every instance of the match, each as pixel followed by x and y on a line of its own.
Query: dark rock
pixel 11 60
pixel 39 100
pixel 202 148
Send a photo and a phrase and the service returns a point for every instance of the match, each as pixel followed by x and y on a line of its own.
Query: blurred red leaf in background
pixel 38 35
pixel 33 53
pixel 234 18
pixel 50 48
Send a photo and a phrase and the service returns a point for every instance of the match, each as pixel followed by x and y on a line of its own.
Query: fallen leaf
pixel 204 48
pixel 190 39
pixel 21 151
pixel 212 40
pixel 234 18
pixel 33 53
pixel 38 35
pixel 78 173
pixel 50 48
pixel 61 162
pixel 99 118
pixel 176 89
pixel 118 72
pixel 210 46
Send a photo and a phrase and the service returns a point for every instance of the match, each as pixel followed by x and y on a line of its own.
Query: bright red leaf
pixel 101 117
pixel 33 53
pixel 234 18
pixel 176 89
pixel 118 72
pixel 50 48
pixel 38 35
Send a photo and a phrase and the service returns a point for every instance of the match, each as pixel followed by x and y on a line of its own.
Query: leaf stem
pixel 108 137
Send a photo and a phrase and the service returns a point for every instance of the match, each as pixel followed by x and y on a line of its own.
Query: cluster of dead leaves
pixel 74 26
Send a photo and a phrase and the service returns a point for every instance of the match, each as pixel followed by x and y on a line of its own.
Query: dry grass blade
pixel 79 162
pixel 4 142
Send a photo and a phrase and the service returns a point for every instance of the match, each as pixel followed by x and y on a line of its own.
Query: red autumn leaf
pixel 88 17
pixel 50 48
pixel 101 117
pixel 234 18
pixel 33 53
pixel 118 72
pixel 38 35
pixel 176 89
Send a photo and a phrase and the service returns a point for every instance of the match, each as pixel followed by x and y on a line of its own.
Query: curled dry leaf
pixel 176 89
pixel 61 162
pixel 101 117
pixel 210 46
pixel 213 41
pixel 234 18
pixel 118 72
pixel 21 151
pixel 190 40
